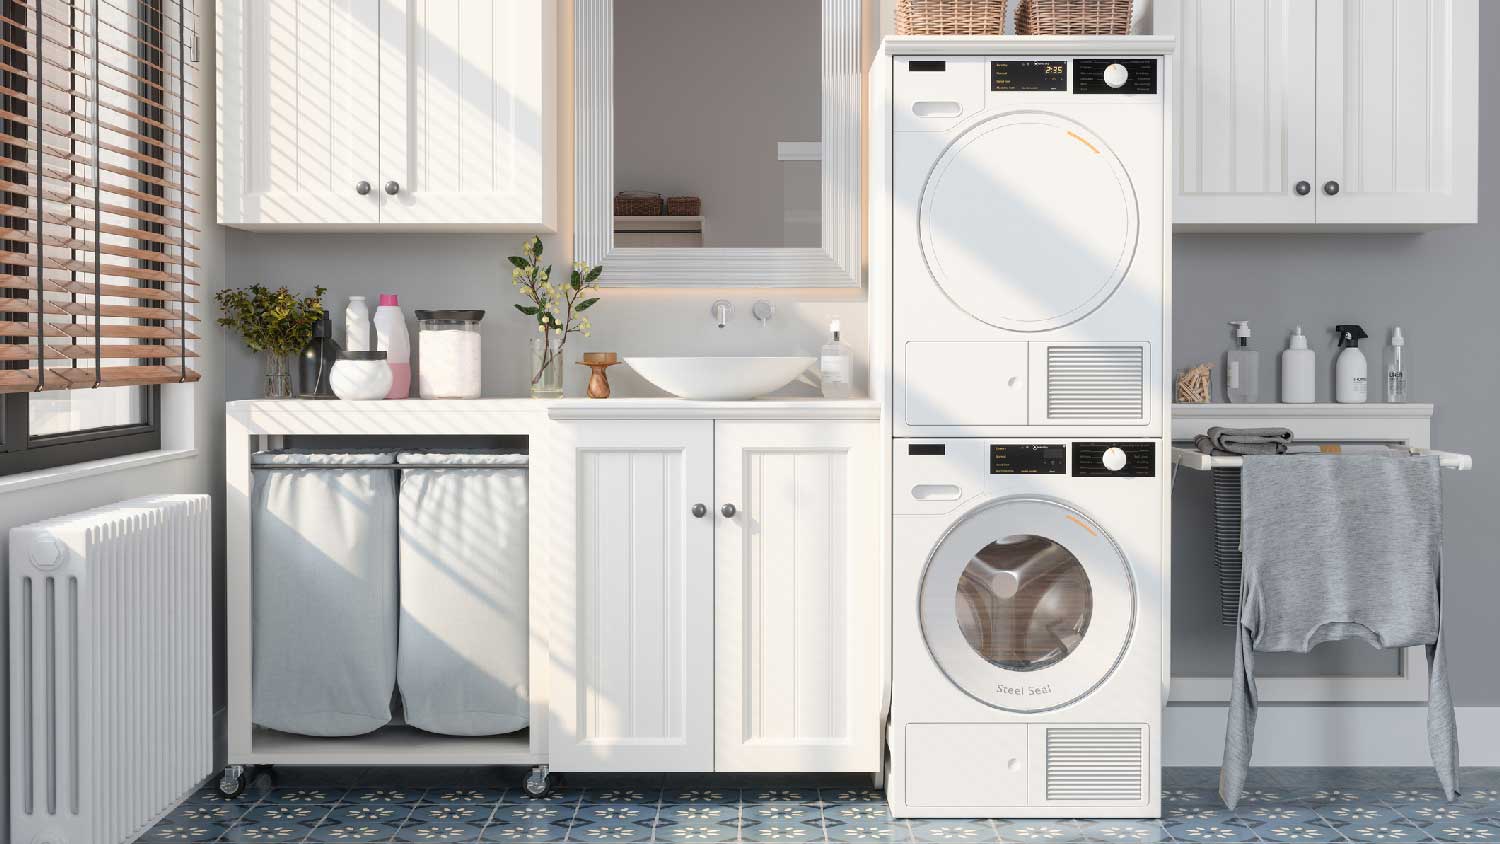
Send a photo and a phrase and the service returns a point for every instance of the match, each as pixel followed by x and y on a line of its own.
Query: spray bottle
pixel 1351 378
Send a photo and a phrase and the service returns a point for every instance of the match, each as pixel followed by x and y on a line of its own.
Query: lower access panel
pixel 965 382
pixel 966 764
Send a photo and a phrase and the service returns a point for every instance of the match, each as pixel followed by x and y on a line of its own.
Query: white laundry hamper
pixel 463 661
pixel 324 599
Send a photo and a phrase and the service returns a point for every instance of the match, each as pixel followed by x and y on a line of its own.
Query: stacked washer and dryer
pixel 1021 184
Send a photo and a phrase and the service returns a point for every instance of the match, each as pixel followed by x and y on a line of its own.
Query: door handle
pixel 393 187
pixel 1303 188
pixel 699 511
pixel 1331 188
pixel 362 188
pixel 728 511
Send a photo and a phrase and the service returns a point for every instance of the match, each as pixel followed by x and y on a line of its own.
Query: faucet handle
pixel 721 311
pixel 763 310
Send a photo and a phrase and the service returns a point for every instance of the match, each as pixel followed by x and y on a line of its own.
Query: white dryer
pixel 1028 600
pixel 1029 237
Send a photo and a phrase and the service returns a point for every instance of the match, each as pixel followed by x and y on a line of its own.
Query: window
pixel 95 196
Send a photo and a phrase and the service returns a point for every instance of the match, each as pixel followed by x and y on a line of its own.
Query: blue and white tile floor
pixel 1304 805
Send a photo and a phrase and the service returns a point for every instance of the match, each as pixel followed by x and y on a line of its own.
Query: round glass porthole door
pixel 1027 604
pixel 1028 221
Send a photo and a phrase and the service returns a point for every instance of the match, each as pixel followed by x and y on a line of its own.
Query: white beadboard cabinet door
pixel 298 111
pixel 468 114
pixel 1398 110
pixel 798 628
pixel 1246 110
pixel 632 656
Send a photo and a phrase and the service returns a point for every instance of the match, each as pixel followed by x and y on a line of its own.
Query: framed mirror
pixel 717 142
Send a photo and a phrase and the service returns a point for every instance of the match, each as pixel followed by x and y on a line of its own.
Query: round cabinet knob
pixel 1331 188
pixel 728 511
pixel 392 187
pixel 1303 188
pixel 1115 76
pixel 362 188
pixel 699 511
pixel 1114 459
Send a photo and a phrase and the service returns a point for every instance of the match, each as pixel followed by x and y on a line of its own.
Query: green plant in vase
pixel 558 311
pixel 276 323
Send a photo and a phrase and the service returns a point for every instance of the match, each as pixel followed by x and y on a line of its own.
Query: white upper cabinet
pixel 1309 114
pixel 399 114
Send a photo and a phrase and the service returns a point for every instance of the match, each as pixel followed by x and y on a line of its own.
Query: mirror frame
pixel 837 263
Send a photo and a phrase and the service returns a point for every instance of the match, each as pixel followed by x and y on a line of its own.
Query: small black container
pixel 316 360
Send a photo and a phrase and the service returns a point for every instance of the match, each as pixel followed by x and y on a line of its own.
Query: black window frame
pixel 19 451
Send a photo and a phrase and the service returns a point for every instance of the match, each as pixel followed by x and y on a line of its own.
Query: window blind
pixel 97 168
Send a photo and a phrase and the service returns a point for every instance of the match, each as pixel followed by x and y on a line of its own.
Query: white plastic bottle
pixel 1395 371
pixel 1298 371
pixel 357 325
pixel 836 366
pixel 1242 380
pixel 391 337
pixel 1351 376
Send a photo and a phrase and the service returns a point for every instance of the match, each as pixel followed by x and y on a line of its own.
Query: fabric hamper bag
pixel 463 662
pixel 324 592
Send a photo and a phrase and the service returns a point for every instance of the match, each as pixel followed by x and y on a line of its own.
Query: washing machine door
pixel 1027 604
pixel 1028 221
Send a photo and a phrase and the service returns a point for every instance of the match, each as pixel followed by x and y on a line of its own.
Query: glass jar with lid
pixel 449 354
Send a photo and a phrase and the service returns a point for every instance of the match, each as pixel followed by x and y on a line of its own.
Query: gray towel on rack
pixel 1339 547
pixel 1243 441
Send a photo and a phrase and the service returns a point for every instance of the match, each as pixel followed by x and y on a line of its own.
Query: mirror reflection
pixel 717 123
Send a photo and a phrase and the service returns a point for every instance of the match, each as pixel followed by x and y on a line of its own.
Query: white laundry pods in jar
pixel 448 347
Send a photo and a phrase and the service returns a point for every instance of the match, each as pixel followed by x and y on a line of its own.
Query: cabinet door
pixel 1246 112
pixel 631 642
pixel 468 104
pixel 799 574
pixel 1398 111
pixel 298 111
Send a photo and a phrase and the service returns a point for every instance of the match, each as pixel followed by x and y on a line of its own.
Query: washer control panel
pixel 1114 460
pixel 1114 76
pixel 1028 459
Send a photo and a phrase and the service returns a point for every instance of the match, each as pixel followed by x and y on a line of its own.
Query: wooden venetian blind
pixel 97 167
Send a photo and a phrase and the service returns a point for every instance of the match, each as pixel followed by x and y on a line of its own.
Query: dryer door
pixel 1027 604
pixel 1028 221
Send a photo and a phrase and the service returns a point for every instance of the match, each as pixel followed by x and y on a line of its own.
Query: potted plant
pixel 275 323
pixel 558 310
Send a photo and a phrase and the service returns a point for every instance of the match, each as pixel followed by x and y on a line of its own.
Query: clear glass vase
pixel 278 377
pixel 546 368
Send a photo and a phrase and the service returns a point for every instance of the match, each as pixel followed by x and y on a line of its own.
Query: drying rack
pixel 1191 458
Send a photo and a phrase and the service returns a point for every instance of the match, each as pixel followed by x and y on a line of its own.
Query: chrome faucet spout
pixel 721 312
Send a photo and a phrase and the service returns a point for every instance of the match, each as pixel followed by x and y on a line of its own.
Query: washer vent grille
pixel 1095 764
pixel 1096 382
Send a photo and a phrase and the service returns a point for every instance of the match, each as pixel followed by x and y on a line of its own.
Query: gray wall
pixel 703 93
pixel 1443 289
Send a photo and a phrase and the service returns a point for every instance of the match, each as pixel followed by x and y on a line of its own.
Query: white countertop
pixel 366 415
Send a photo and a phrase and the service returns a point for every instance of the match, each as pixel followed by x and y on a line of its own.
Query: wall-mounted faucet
pixel 722 311
pixel 762 310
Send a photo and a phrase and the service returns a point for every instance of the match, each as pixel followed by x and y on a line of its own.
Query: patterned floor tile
pixel 1396 832
pixel 1039 831
pixel 852 794
pixel 699 813
pixel 782 812
pixel 1345 815
pixel 700 795
pixel 331 831
pixel 1145 832
pixel 951 831
pixel 414 831
pixel 698 831
pixel 1210 830
pixel 866 829
pixel 389 796
pixel 210 794
pixel 534 832
pixel 622 794
pixel 1312 829
pixel 1466 830
pixel 311 795
pixel 467 795
pixel 219 813
pixel 534 813
pixel 180 831
pixel 246 830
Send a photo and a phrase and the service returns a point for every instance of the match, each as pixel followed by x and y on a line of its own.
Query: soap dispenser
pixel 836 365
pixel 1298 371
pixel 1242 381
pixel 1351 377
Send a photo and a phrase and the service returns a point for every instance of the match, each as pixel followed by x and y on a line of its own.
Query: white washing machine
pixel 1030 238
pixel 1028 601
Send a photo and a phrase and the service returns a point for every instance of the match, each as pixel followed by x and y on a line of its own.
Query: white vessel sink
pixel 720 378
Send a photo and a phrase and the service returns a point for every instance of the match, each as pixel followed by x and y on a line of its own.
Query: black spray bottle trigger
pixel 1350 335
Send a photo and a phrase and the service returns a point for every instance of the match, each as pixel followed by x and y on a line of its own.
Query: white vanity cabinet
pixel 1325 114
pixel 362 114
pixel 717 598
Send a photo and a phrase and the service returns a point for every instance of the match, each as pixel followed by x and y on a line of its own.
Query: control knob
pixel 1113 459
pixel 1115 76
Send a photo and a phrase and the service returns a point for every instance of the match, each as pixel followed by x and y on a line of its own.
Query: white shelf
pixel 1379 410
pixel 394 745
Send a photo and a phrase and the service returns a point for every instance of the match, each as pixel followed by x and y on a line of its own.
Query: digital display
pixel 1028 459
pixel 1028 76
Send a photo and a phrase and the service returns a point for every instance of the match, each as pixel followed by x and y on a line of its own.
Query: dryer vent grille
pixel 1096 764
pixel 1104 383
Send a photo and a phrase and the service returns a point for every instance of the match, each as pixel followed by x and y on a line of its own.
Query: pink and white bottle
pixel 392 338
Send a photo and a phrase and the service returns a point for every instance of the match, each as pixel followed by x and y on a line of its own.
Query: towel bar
pixel 1191 458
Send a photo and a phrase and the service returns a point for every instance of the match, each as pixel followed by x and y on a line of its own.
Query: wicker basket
pixel 1074 17
pixel 684 206
pixel 634 203
pixel 950 17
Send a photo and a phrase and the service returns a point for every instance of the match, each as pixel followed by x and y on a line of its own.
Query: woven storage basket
pixel 684 206
pixel 1074 17
pixel 634 203
pixel 950 17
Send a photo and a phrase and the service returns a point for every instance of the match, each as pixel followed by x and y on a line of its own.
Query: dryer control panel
pixel 1114 460
pixel 1114 76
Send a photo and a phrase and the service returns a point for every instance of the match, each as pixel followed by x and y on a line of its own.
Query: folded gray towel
pixel 1244 441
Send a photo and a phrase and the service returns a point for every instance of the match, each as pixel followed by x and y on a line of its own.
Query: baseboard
pixel 1329 735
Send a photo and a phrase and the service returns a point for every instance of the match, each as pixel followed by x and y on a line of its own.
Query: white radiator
pixel 110 673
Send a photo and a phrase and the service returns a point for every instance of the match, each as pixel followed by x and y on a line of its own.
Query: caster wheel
pixel 233 782
pixel 541 782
